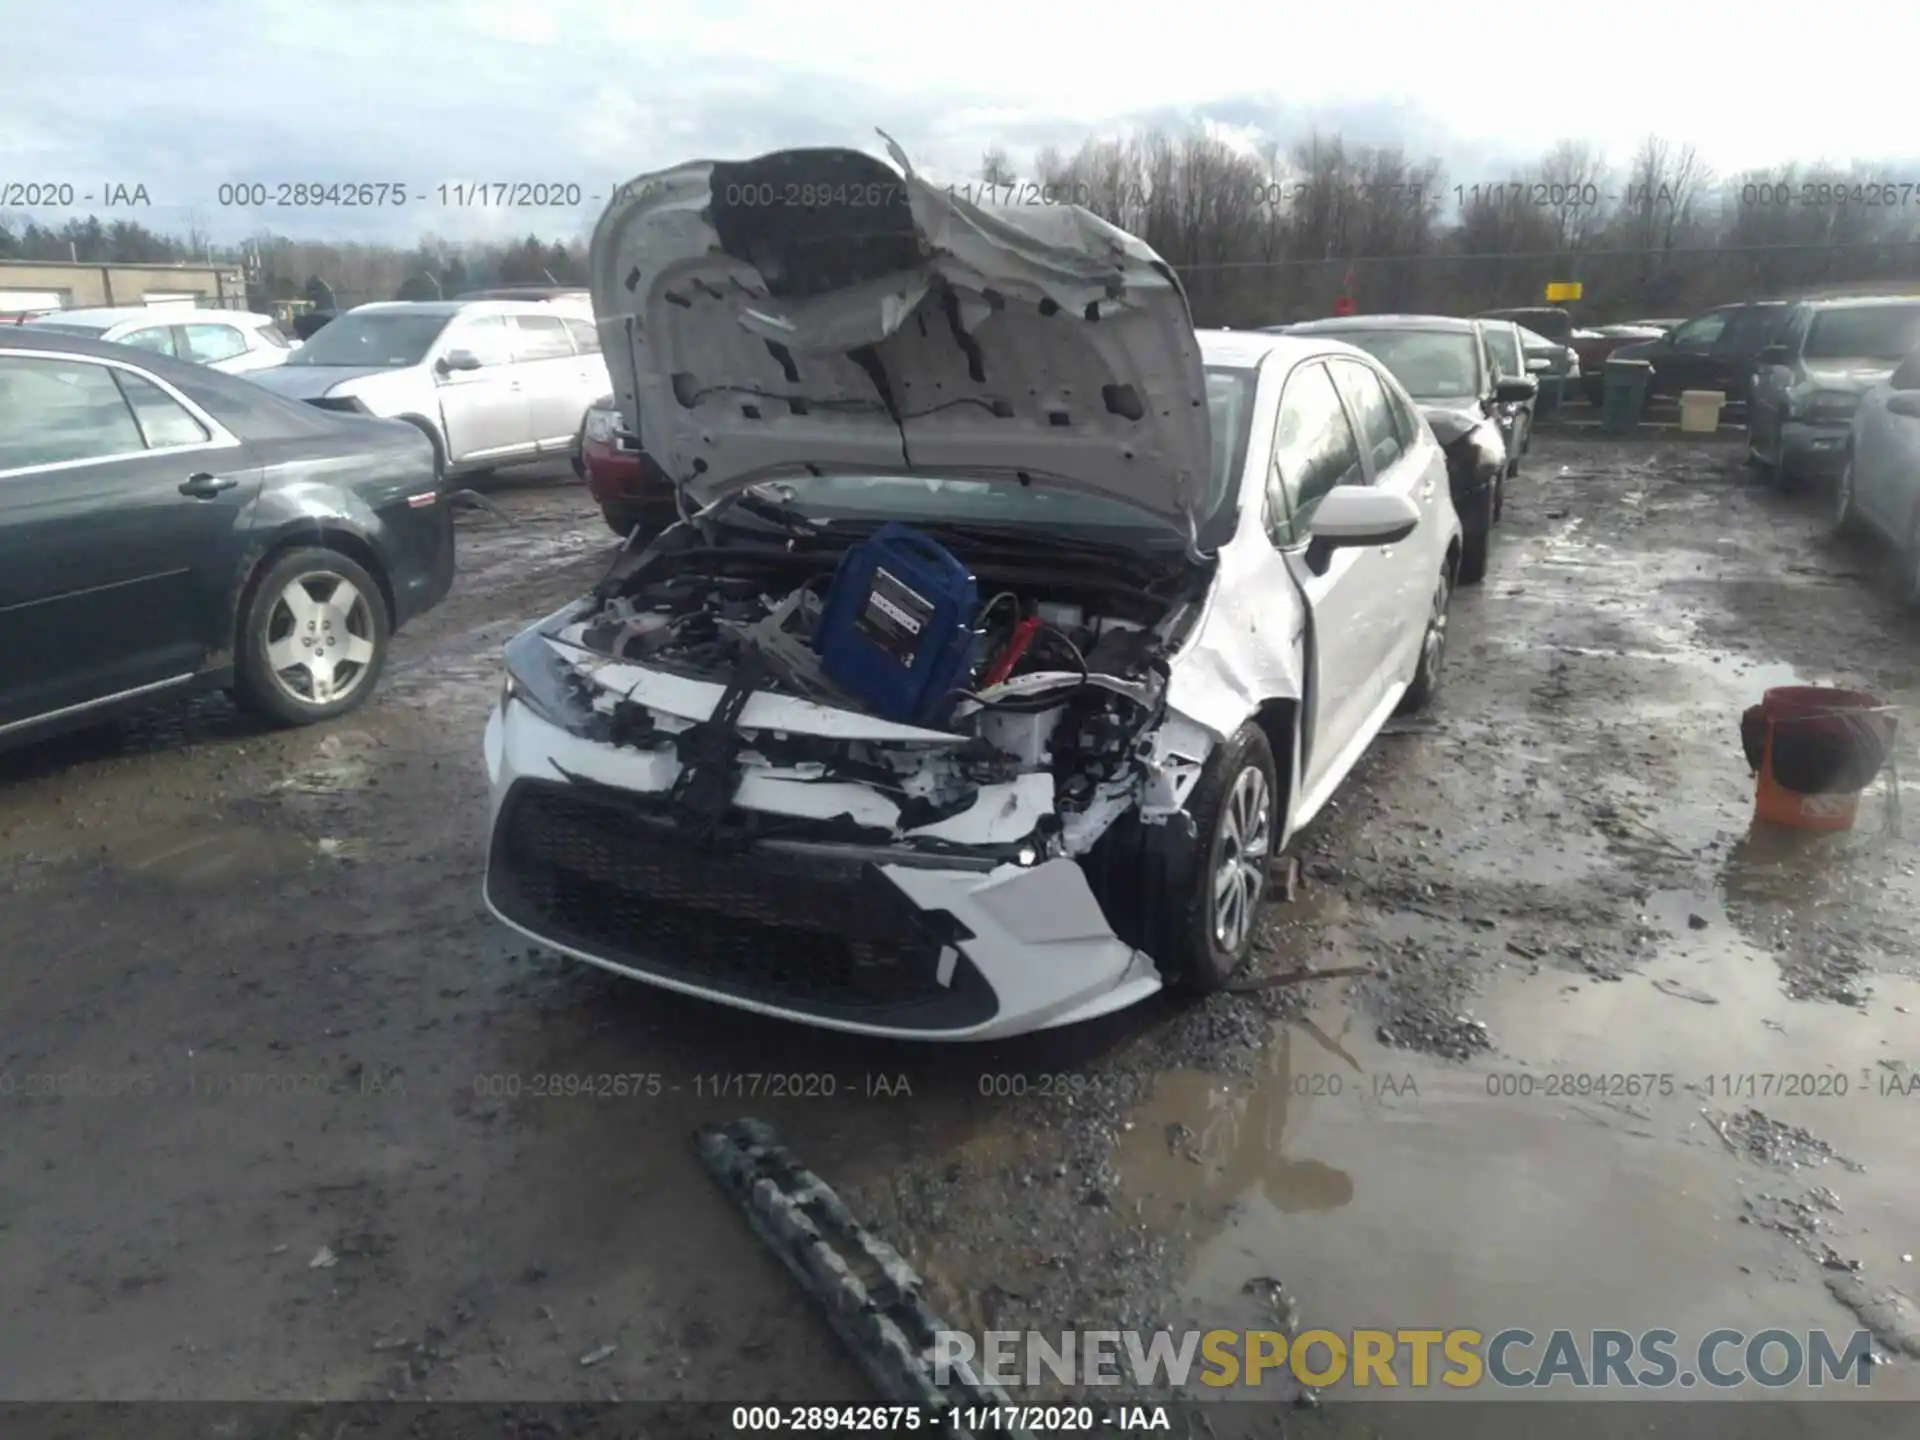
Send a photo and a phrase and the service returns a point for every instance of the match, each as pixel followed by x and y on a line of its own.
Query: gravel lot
pixel 309 1156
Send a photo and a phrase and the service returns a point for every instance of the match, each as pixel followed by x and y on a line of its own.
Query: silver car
pixel 1808 383
pixel 1879 487
pixel 491 382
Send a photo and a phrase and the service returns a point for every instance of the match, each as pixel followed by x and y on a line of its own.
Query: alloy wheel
pixel 1240 872
pixel 320 638
pixel 1433 649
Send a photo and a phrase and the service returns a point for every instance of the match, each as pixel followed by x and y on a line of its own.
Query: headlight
pixel 601 425
pixel 538 679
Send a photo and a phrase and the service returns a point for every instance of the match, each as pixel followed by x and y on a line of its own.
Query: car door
pixel 594 381
pixel 550 374
pixel 1886 452
pixel 1400 577
pixel 1688 360
pixel 484 412
pixel 1315 448
pixel 1749 329
pixel 118 499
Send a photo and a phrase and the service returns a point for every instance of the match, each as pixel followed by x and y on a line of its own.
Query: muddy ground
pixel 296 1148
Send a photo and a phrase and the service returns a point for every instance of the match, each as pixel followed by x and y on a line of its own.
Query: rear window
pixel 1872 332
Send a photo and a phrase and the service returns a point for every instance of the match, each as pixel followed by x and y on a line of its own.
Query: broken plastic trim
pixel 871 1296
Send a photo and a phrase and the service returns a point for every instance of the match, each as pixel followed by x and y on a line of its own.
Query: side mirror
pixel 457 360
pixel 1904 402
pixel 1516 390
pixel 1361 515
pixel 1538 364
pixel 1774 355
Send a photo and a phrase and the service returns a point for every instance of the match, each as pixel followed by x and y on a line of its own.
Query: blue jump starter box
pixel 897 629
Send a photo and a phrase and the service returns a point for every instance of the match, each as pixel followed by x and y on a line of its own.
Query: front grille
pixel 832 938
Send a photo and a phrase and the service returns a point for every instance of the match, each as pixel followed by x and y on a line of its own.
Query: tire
pixel 1846 517
pixel 621 518
pixel 275 676
pixel 1474 547
pixel 1226 806
pixel 1433 653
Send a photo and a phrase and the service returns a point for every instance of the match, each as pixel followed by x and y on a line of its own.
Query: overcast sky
pixel 181 98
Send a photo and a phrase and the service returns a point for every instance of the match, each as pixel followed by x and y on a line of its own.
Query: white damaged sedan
pixel 1012 629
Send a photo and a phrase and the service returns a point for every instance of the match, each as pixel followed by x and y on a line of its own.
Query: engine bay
pixel 1058 672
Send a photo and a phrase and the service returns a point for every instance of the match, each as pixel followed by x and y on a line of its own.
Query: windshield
pixel 1872 332
pixel 1432 364
pixel 1504 342
pixel 928 498
pixel 380 339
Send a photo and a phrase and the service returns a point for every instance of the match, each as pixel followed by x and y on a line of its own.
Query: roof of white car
pixel 107 316
pixel 560 305
pixel 1247 348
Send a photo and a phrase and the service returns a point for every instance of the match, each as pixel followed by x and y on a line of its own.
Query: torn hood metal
pixel 820 311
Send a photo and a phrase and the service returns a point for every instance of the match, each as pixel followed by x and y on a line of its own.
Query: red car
pixel 622 478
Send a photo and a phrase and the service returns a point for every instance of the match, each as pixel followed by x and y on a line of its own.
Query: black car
pixel 165 528
pixel 1444 365
pixel 1715 350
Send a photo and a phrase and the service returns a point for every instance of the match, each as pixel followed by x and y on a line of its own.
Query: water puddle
pixel 1595 1168
pixel 216 857
pixel 341 762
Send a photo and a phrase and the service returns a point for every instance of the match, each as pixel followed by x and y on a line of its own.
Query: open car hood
pixel 819 310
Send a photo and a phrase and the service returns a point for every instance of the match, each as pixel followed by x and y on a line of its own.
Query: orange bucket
pixel 1840 739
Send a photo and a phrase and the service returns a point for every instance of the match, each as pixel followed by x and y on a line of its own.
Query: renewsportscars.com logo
pixel 1456 1359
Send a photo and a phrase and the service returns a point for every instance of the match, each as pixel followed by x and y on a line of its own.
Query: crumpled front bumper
pixel 868 939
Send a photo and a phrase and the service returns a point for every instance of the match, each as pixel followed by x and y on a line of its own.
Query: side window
pixel 162 420
pixel 61 410
pixel 208 343
pixel 1407 423
pixel 1314 449
pixel 1749 326
pixel 272 337
pixel 488 337
pixel 540 337
pixel 1371 412
pixel 586 336
pixel 1702 329
pixel 157 338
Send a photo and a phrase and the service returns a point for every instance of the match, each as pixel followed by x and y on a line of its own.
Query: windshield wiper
pixel 782 516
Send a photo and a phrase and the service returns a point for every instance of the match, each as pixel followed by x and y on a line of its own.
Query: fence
pixel 1617 284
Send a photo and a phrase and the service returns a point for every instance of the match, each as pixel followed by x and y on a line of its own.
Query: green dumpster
pixel 1625 395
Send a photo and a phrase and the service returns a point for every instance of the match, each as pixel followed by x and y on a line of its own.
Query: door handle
pixel 202 486
pixel 514 385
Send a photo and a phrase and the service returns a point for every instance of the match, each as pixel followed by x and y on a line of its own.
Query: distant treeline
pixel 1264 235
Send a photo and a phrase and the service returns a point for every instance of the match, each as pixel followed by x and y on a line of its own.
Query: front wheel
pixel 1234 809
pixel 312 639
pixel 1433 652
pixel 1475 544
pixel 1845 516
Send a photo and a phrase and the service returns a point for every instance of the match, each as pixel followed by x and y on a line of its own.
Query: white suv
pixel 235 341
pixel 491 382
